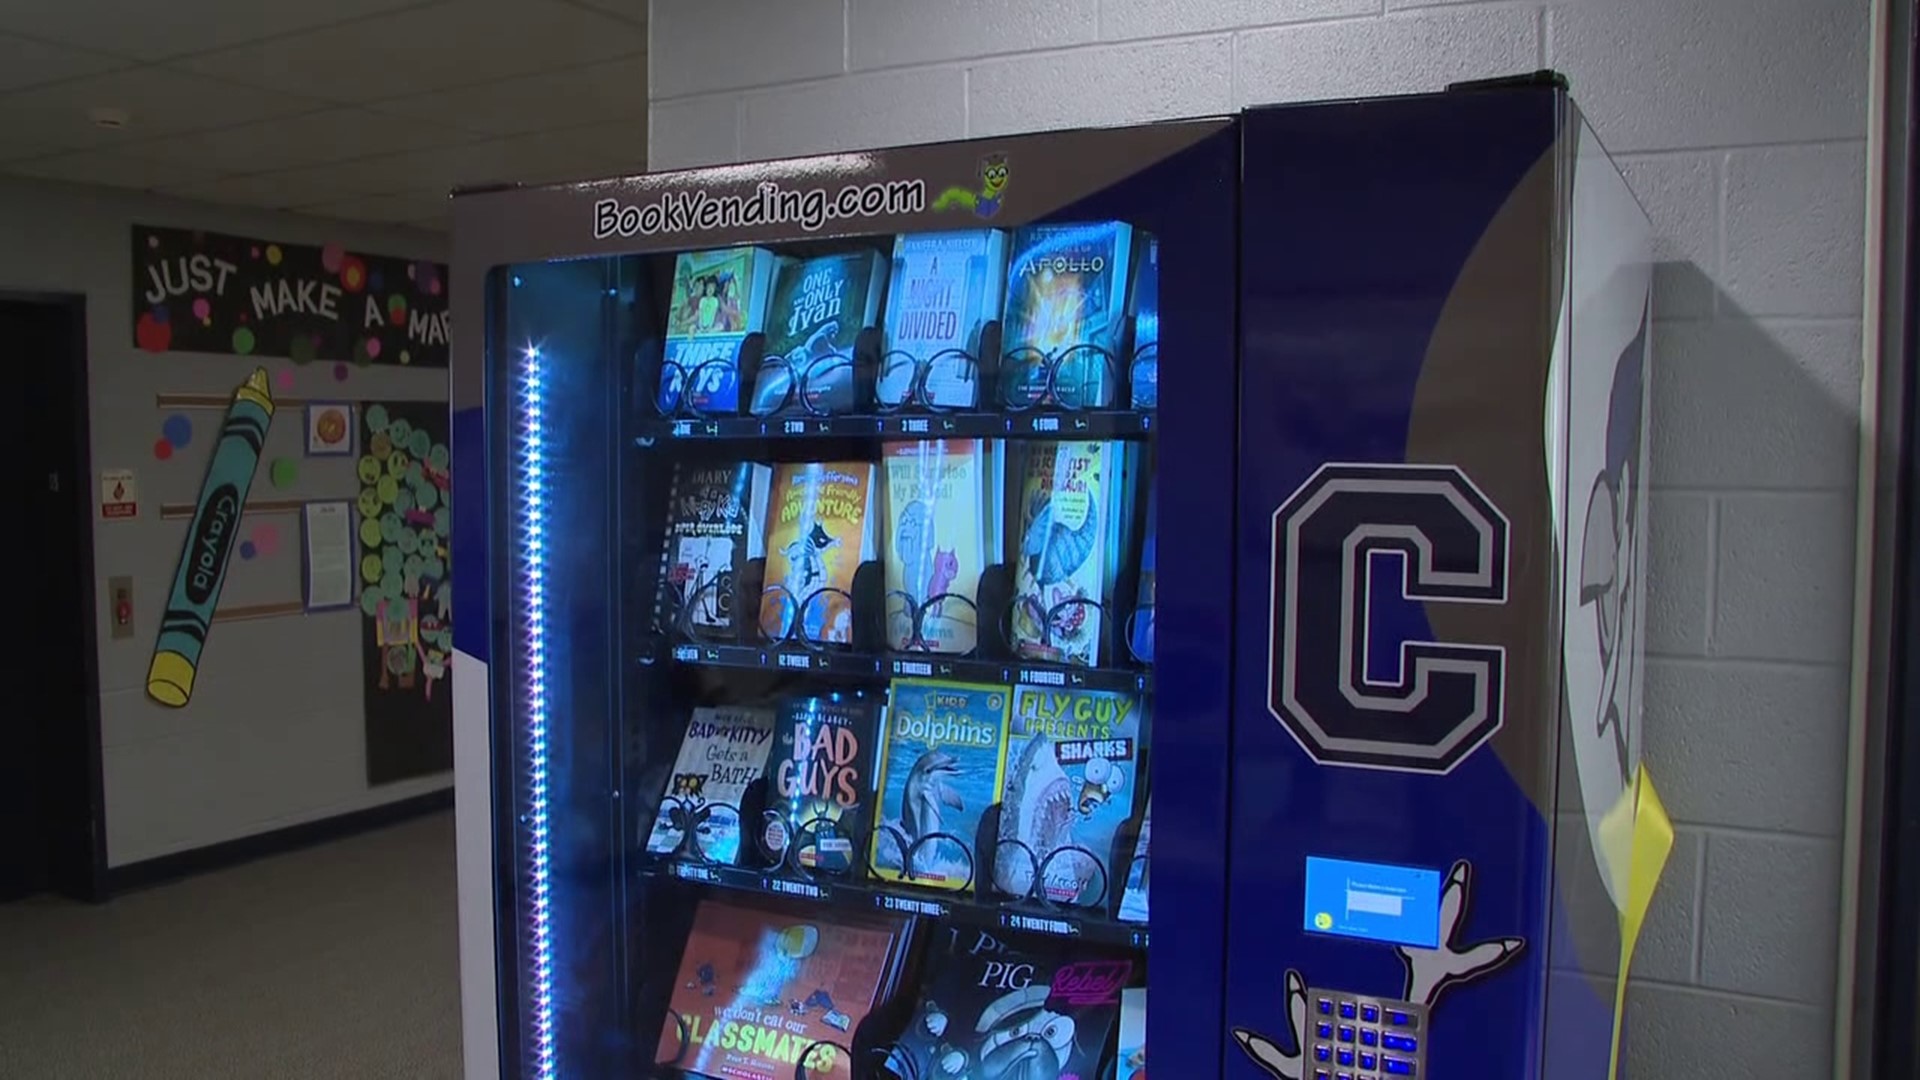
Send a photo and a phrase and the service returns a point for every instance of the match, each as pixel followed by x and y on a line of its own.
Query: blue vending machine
pixel 814 703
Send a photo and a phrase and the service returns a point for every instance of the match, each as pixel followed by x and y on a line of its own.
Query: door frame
pixel 81 876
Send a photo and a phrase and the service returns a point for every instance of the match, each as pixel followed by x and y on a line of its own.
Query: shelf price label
pixel 693 872
pixel 789 887
pixel 910 906
pixel 797 661
pixel 912 667
pixel 913 426
pixel 793 427
pixel 1035 924
pixel 686 654
pixel 1046 423
pixel 1043 678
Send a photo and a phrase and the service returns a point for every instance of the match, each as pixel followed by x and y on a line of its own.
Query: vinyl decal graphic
pixel 210 543
pixel 1332 542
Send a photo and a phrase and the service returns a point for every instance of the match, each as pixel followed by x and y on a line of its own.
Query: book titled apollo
pixel 716 523
pixel 1028 1009
pixel 1144 372
pixel 719 298
pixel 819 307
pixel 724 751
pixel 941 497
pixel 945 288
pixel 761 990
pixel 1066 313
pixel 941 765
pixel 820 780
pixel 819 531
pixel 1073 757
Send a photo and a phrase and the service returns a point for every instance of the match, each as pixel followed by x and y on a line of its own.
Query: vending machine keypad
pixel 1358 1037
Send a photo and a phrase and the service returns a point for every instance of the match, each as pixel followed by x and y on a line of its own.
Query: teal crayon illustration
pixel 210 543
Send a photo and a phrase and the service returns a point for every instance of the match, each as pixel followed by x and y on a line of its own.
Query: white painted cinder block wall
pixel 1741 124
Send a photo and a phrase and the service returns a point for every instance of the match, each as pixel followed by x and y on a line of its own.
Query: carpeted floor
pixel 337 961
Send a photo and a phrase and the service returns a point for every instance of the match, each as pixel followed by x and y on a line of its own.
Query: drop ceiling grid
pixel 359 109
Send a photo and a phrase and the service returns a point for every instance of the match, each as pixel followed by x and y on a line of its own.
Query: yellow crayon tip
pixel 170 679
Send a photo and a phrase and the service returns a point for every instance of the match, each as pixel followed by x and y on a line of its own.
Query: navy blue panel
pixel 470 523
pixel 1356 222
pixel 1188 201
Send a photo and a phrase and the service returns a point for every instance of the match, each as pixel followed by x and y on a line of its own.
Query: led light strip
pixel 533 557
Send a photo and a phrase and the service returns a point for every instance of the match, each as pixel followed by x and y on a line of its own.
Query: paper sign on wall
pixel 117 497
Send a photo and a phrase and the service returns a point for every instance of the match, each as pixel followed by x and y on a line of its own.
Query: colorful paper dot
pixel 153 241
pixel 162 449
pixel 273 254
pixel 340 372
pixel 151 334
pixel 177 430
pixel 266 538
pixel 353 274
pixel 397 309
pixel 300 350
pixel 433 287
pixel 242 340
pixel 201 309
pixel 376 281
pixel 373 348
pixel 283 472
pixel 255 252
pixel 406 357
pixel 330 256
pixel 284 378
pixel 247 550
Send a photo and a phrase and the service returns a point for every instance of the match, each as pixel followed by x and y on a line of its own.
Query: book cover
pixel 1063 561
pixel 716 523
pixel 819 531
pixel 1140 633
pixel 936 542
pixel 1024 1010
pixel 1144 378
pixel 819 307
pixel 1130 1043
pixel 1073 756
pixel 724 750
pixel 942 763
pixel 820 780
pixel 945 288
pixel 718 299
pixel 758 990
pixel 1133 899
pixel 1066 314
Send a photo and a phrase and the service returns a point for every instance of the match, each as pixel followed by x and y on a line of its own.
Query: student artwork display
pixel 207 292
pixel 210 543
pixel 406 588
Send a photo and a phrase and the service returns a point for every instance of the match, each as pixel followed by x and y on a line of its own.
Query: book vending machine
pixel 815 700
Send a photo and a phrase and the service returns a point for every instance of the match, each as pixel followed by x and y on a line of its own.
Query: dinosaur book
pixel 723 751
pixel 819 307
pixel 760 990
pixel 1073 765
pixel 941 766
pixel 820 780
pixel 819 531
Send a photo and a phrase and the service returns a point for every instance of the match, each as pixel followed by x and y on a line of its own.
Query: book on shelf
pixel 1066 314
pixel 723 752
pixel 761 989
pixel 1133 897
pixel 1130 1041
pixel 1017 1007
pixel 1144 365
pixel 1072 529
pixel 820 529
pixel 940 510
pixel 1074 760
pixel 1140 631
pixel 716 523
pixel 820 780
pixel 819 307
pixel 719 299
pixel 945 288
pixel 942 762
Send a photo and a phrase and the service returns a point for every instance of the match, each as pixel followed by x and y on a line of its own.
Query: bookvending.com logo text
pixel 770 204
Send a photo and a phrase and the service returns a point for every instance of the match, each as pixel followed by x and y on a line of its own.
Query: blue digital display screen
pixel 1399 905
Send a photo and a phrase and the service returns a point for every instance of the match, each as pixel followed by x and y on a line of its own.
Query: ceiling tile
pixel 29 63
pixel 330 135
pixel 535 158
pixel 451 44
pixel 158 30
pixel 280 190
pixel 110 168
pixel 588 94
pixel 161 103
pixel 406 206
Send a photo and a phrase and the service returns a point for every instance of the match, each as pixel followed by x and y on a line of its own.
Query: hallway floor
pixel 337 961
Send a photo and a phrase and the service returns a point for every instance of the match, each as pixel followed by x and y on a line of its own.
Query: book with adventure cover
pixel 819 531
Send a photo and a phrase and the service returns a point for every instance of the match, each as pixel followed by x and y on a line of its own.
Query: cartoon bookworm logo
pixel 985 198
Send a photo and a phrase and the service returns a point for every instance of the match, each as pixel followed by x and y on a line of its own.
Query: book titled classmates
pixel 941 765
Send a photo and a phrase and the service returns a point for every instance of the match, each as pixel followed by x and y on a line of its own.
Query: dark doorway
pixel 50 803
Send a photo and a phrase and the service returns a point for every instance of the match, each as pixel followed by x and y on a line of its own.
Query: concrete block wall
pixel 1741 125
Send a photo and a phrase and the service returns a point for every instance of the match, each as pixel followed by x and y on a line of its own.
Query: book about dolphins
pixel 941 765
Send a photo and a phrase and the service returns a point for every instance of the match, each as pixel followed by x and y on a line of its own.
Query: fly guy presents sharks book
pixel 1073 757
pixel 941 766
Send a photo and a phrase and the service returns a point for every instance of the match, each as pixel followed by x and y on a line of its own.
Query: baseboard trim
pixel 181 864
